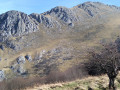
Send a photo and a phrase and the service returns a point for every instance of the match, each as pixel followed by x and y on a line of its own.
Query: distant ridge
pixel 17 23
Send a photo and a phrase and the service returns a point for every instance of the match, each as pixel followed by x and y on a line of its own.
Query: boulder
pixel 0 58
pixel 21 60
pixel 5 59
pixel 2 75
pixel 28 57
pixel 71 24
pixel 21 70
pixel 1 47
pixel 68 58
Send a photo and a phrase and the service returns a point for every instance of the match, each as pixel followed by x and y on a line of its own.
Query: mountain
pixel 19 23
pixel 36 44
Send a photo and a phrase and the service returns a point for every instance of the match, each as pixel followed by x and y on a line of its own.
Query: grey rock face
pixel 62 13
pixel 90 8
pixel 21 70
pixel 17 23
pixel 96 8
pixel 11 44
pixel 2 75
pixel 47 21
pixel 2 47
pixel 114 7
pixel 28 57
pixel 4 35
pixel 18 69
pixel 21 60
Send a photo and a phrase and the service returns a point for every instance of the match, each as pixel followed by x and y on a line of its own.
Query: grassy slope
pixel 96 83
pixel 80 41
pixel 91 38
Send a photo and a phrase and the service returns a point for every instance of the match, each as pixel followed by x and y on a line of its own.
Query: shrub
pixel 106 61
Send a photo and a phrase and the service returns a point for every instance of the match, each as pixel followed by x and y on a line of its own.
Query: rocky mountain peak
pixel 46 20
pixel 17 23
pixel 57 9
pixel 64 14
pixel 94 8
pixel 90 4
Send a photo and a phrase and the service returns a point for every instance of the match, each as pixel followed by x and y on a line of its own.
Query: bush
pixel 105 61
pixel 75 72
pixel 20 83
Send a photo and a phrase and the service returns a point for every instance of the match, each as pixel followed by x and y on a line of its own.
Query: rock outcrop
pixel 17 23
pixel 28 57
pixel 2 75
pixel 62 13
pixel 95 8
pixel 47 21
pixel 21 70
pixel 18 67
pixel 21 60
pixel 2 47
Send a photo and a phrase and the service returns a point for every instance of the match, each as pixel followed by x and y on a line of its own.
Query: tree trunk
pixel 111 84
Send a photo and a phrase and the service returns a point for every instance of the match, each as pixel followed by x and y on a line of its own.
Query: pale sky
pixel 40 6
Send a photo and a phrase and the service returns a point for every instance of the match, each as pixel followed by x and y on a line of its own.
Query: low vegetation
pixel 72 73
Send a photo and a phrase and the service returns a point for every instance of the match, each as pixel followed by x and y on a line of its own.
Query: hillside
pixel 36 44
pixel 90 83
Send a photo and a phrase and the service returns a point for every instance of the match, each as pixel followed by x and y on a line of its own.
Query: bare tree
pixel 106 61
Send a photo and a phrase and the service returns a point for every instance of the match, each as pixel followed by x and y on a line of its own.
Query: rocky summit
pixel 37 44
pixel 17 23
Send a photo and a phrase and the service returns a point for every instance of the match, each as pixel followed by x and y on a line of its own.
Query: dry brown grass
pixel 20 83
pixel 96 83
pixel 53 77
